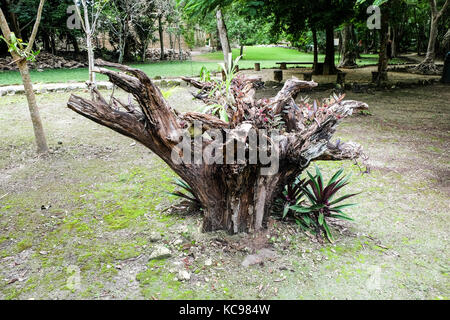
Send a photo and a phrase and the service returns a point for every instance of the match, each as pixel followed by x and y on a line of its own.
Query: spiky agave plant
pixel 321 204
pixel 189 194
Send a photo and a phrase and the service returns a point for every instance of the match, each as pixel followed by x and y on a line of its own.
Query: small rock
pixel 251 260
pixel 154 237
pixel 178 242
pixel 176 266
pixel 160 252
pixel 259 257
pixel 208 262
pixel 184 275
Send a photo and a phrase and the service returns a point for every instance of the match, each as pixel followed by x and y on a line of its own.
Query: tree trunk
pixel 316 51
pixel 382 55
pixel 90 50
pixel 121 49
pixel 427 66
pixel 393 53
pixel 53 44
pixel 223 35
pixel 39 134
pixel 180 50
pixel 46 42
pixel 329 66
pixel 241 51
pixel 76 47
pixel 348 54
pixel 161 37
pixel 171 40
pixel 236 196
pixel 41 141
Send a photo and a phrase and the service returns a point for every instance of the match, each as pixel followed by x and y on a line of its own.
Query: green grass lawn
pixel 267 56
pixel 163 69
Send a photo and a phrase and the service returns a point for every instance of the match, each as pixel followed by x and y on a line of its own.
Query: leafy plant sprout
pixel 310 202
pixel 223 87
pixel 19 47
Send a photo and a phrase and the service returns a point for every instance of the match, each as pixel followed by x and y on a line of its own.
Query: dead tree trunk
pixel 235 192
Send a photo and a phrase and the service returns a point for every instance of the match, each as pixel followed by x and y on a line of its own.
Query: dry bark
pixel 235 197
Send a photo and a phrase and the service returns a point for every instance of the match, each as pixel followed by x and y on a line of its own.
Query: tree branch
pixel 35 27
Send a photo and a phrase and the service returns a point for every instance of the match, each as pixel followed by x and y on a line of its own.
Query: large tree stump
pixel 235 196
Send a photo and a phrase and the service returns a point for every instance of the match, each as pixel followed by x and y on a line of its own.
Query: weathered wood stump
pixel 257 66
pixel 283 66
pixel 236 196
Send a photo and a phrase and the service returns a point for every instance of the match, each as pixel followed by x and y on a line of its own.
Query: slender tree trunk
pixel 41 141
pixel 122 44
pixel 329 66
pixel 90 50
pixel 161 37
pixel 180 50
pixel 39 134
pixel 171 40
pixel 223 35
pixel 241 51
pixel 316 51
pixel 429 57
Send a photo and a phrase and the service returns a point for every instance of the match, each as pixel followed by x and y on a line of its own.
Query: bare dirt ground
pixel 83 222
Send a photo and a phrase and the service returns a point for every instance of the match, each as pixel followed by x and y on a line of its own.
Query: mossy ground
pixel 77 223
